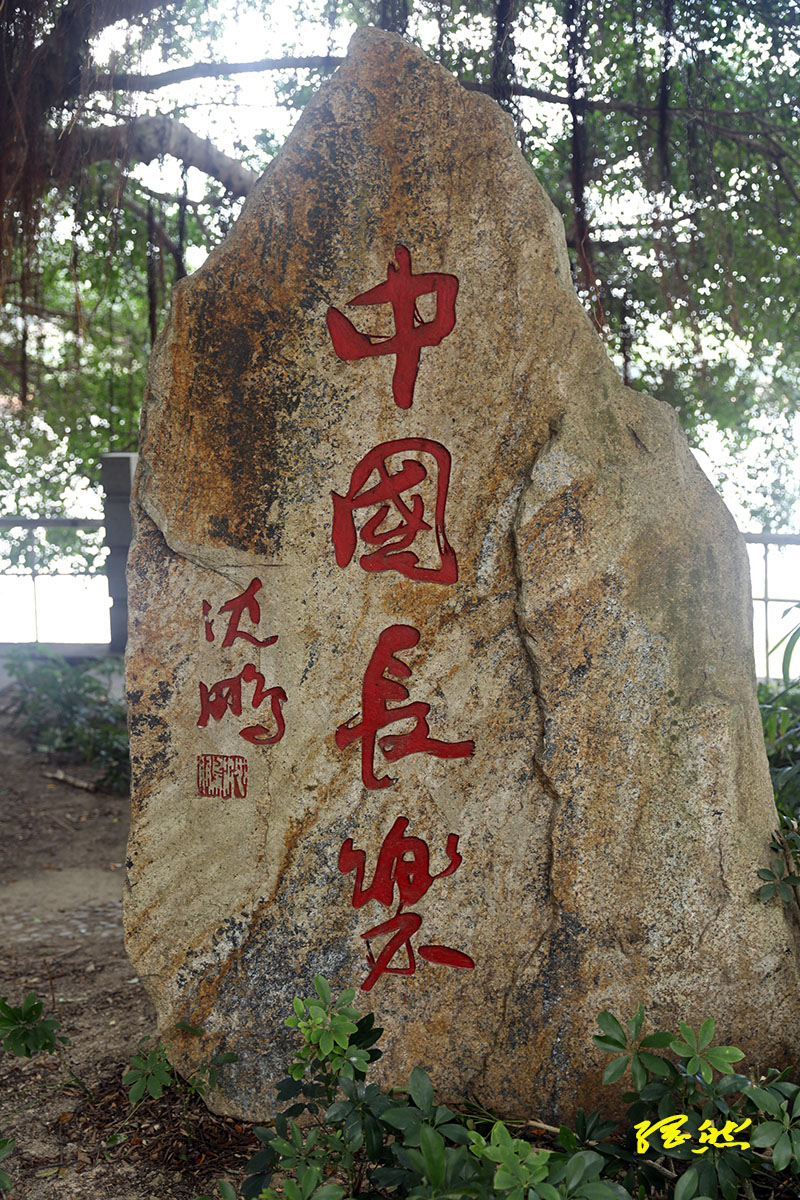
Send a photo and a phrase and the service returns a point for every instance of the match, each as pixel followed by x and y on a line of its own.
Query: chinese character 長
pixel 393 544
pixel 402 289
pixel 376 714
pixel 403 864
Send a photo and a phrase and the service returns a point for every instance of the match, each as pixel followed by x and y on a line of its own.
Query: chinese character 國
pixel 376 690
pixel 403 865
pixel 401 289
pixel 393 544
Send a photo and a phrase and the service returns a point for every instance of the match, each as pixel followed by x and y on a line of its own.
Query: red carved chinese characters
pixel 237 607
pixel 393 553
pixel 402 290
pixel 376 690
pixel 226 694
pixel 404 864
pixel 222 775
pixel 384 506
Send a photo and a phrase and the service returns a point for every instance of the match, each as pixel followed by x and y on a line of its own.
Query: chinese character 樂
pixel 403 865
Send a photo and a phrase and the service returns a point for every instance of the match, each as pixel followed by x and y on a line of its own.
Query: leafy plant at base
pixel 151 1074
pixel 25 1032
pixel 6 1148
pixel 342 1136
pixel 690 1088
pixel 63 709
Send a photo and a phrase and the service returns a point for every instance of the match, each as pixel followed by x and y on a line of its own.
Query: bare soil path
pixel 62 853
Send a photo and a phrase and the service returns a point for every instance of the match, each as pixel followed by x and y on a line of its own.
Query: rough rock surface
pixel 595 647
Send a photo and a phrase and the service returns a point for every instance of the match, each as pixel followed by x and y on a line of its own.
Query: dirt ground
pixel 62 853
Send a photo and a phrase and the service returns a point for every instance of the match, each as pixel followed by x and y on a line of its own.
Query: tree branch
pixel 140 211
pixel 583 104
pixel 130 82
pixel 146 138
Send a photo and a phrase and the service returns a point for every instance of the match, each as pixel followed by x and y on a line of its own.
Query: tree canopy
pixel 665 131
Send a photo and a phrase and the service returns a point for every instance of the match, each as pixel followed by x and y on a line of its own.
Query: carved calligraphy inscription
pixel 376 690
pixel 403 864
pixel 402 289
pixel 226 695
pixel 222 776
pixel 393 552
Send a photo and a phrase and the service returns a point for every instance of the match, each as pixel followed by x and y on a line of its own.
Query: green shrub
pixel 66 710
pixel 25 1032
pixel 6 1147
pixel 695 1129
pixel 780 715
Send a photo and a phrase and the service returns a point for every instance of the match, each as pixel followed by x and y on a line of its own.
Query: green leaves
pixel 150 1073
pixel 384 1143
pixel 780 882
pixel 700 1056
pixel 6 1147
pixel 421 1090
pixel 780 1100
pixel 642 1062
pixel 331 1039
pixel 25 1032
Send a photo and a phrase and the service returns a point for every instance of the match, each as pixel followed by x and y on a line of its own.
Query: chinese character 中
pixel 226 696
pixel 404 864
pixel 237 607
pixel 376 690
pixel 402 290
pixel 722 1137
pixel 668 1127
pixel 393 553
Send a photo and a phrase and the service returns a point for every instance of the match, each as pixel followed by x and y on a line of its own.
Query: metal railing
pixel 774 623
pixel 32 569
pixel 116 474
pixel 769 630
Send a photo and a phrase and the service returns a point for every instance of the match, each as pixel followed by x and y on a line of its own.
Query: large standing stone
pixel 599 848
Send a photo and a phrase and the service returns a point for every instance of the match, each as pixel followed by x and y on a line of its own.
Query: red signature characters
pixel 403 867
pixel 401 289
pixel 237 607
pixel 376 690
pixel 390 495
pixel 226 695
pixel 222 776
